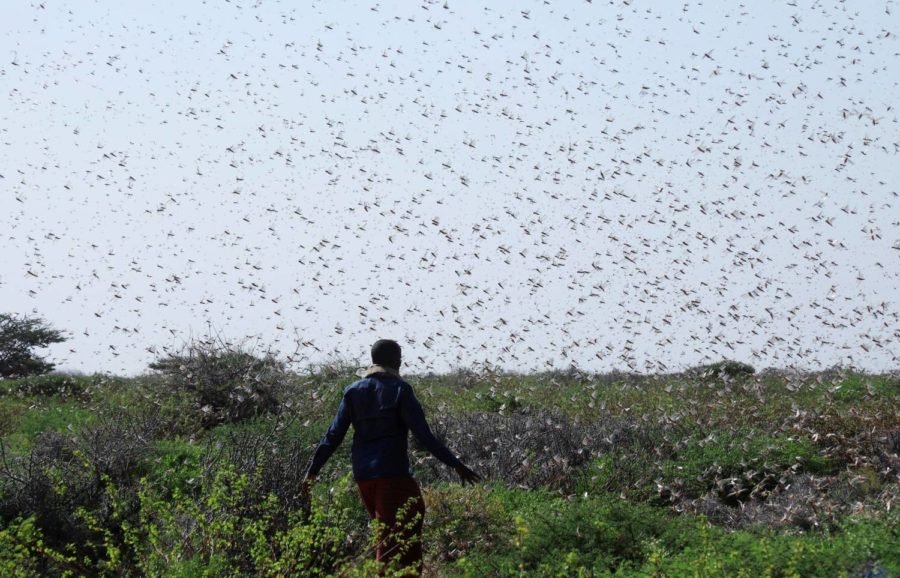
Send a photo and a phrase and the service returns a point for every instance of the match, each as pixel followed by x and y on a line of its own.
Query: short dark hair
pixel 386 352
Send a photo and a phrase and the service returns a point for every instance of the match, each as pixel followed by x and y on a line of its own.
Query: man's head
pixel 386 353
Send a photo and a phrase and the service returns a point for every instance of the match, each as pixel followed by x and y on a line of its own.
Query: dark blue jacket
pixel 383 410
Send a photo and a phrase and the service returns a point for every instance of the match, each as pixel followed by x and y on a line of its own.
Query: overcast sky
pixel 643 186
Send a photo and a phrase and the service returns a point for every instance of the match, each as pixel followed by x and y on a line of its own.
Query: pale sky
pixel 643 186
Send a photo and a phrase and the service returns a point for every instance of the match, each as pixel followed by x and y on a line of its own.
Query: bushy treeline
pixel 194 470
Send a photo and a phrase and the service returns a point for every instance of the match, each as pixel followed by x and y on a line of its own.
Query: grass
pixel 856 386
pixel 29 422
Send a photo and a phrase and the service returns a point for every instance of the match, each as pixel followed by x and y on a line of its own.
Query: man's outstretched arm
pixel 330 442
pixel 414 417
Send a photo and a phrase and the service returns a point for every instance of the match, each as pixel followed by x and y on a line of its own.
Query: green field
pixel 705 473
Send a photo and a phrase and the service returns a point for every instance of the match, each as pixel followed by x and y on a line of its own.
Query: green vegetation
pixel 706 473
pixel 27 423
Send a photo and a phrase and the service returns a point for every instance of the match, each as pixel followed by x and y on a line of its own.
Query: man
pixel 383 410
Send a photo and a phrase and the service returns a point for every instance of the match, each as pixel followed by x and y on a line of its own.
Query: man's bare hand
pixel 466 475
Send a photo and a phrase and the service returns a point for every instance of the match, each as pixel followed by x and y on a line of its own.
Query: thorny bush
pixel 227 383
pixel 537 448
pixel 273 453
pixel 67 473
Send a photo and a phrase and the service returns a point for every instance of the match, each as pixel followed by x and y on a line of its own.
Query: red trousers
pixel 397 504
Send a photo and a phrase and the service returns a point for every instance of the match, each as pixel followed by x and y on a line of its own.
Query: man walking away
pixel 383 410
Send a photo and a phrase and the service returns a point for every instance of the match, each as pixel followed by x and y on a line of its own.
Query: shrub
pixel 232 529
pixel 856 386
pixel 226 383
pixel 857 437
pixel 176 534
pixel 725 368
pixel 740 465
pixel 528 449
pixel 462 521
pixel 271 451
pixel 24 555
pixel 597 534
pixel 861 547
pixel 174 465
pixel 65 474
pixel 51 385
pixel 16 558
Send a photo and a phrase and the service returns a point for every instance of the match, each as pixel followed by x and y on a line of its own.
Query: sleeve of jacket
pixel 332 438
pixel 414 417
